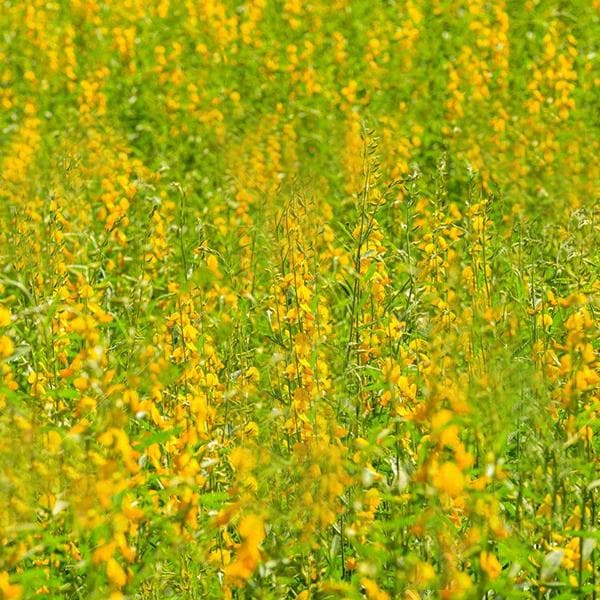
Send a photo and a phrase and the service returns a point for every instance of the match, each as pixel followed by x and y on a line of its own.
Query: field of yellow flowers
pixel 299 299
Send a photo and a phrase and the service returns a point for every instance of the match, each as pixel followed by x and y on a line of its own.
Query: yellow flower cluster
pixel 299 299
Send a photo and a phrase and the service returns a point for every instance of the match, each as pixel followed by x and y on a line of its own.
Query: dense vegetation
pixel 299 299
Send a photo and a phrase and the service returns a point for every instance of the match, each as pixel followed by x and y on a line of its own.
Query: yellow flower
pixel 213 265
pixel 252 532
pixel 373 591
pixel 5 316
pixel 252 529
pixel 115 573
pixel 242 460
pixel 449 479
pixel 6 346
pixel 423 573
pixel 9 591
pixel 489 564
